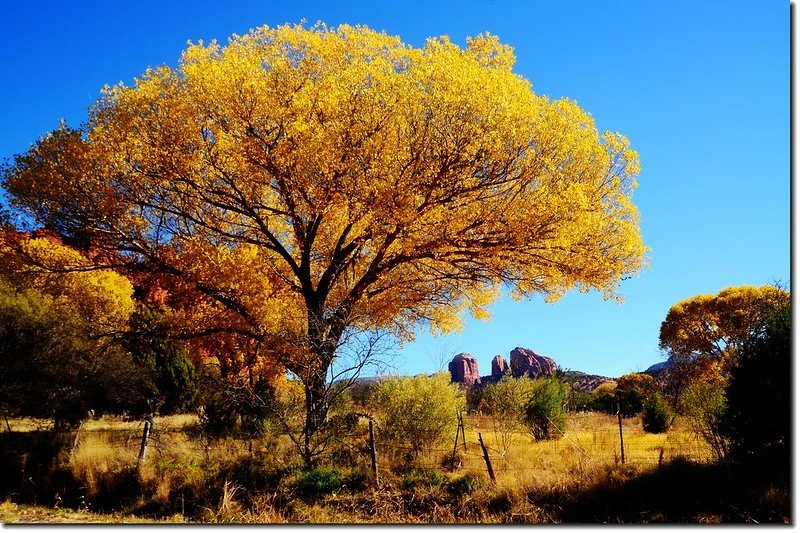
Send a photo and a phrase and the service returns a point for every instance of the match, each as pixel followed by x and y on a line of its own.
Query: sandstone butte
pixel 524 362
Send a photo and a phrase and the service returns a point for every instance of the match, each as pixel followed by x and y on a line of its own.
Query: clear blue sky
pixel 700 88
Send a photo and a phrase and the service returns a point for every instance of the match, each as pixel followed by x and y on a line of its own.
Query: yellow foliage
pixel 337 176
pixel 716 326
pixel 103 298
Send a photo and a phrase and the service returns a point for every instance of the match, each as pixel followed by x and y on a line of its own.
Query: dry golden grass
pixel 12 513
pixel 179 460
pixel 589 447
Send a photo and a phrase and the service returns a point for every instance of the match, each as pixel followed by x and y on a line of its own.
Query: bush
pixel 633 390
pixel 463 485
pixel 54 363
pixel 165 362
pixel 417 477
pixel 317 483
pixel 579 400
pixel 759 396
pixel 657 415
pixel 236 409
pixel 546 411
pixel 705 407
pixel 604 398
pixel 506 401
pixel 418 412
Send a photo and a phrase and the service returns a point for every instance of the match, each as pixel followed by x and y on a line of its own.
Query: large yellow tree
pixel 310 182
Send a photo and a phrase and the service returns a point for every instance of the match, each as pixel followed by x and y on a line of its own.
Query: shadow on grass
pixel 677 492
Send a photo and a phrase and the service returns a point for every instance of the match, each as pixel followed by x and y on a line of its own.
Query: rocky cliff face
pixel 499 367
pixel 464 370
pixel 525 362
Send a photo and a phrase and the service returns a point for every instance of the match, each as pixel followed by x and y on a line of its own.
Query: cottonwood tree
pixel 314 181
pixel 717 325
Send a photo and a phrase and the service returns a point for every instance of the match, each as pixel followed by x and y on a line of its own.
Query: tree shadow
pixel 677 492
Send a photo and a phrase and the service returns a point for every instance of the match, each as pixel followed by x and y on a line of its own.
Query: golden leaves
pixel 341 169
pixel 717 325
pixel 103 298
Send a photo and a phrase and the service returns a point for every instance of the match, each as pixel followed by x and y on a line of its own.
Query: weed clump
pixel 421 478
pixel 463 485
pixel 315 484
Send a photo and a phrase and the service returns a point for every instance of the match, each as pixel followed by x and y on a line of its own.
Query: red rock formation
pixel 464 370
pixel 525 362
pixel 499 367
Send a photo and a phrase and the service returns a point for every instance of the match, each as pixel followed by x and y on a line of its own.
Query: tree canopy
pixel 714 326
pixel 308 181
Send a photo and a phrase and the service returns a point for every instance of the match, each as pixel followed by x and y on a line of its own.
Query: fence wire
pixel 572 450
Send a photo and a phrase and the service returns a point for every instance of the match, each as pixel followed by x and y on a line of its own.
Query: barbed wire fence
pixel 594 447
pixel 475 457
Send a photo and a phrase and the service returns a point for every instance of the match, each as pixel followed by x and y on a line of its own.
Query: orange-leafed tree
pixel 313 182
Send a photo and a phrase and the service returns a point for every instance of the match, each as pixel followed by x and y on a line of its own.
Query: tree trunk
pixel 316 389
pixel 323 338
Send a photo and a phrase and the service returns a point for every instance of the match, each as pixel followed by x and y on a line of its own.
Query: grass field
pixel 579 478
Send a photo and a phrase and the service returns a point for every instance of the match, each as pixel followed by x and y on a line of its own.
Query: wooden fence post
pixel 373 454
pixel 621 443
pixel 463 437
pixel 486 458
pixel 455 442
pixel 148 424
pixel 75 442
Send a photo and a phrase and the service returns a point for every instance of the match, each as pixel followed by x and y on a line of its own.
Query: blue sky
pixel 700 88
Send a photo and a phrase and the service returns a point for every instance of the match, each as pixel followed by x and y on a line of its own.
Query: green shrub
pixel 417 412
pixel 506 401
pixel 56 364
pixel 633 391
pixel 604 398
pixel 235 408
pixel 317 483
pixel 705 407
pixel 463 485
pixel 546 411
pixel 579 400
pixel 657 415
pixel 419 477
pixel 217 419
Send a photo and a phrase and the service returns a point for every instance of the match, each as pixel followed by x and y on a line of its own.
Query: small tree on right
pixel 758 420
pixel 702 335
pixel 506 401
